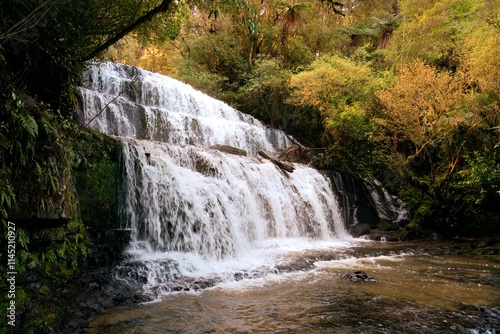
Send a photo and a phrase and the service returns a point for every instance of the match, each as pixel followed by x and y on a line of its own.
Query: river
pixel 417 288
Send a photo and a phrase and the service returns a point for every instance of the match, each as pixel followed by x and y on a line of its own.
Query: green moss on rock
pixel 98 180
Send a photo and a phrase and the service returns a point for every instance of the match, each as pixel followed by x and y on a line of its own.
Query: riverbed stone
pixel 357 276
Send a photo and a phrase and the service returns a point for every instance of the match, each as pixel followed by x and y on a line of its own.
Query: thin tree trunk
pixel 19 25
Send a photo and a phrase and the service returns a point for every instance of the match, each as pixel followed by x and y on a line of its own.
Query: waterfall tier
pixel 184 199
pixel 126 101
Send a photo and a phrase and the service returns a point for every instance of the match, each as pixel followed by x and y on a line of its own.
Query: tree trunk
pixel 286 167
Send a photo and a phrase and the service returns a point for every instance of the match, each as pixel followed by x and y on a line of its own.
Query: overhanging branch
pixel 163 7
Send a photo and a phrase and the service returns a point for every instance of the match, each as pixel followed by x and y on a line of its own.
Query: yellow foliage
pixel 482 56
pixel 421 105
pixel 162 59
pixel 328 79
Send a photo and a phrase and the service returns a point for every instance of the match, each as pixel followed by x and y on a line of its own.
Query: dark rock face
pixel 98 185
pixel 355 204
pixel 362 215
pixel 74 242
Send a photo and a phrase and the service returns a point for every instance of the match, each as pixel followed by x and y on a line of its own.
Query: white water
pixel 193 210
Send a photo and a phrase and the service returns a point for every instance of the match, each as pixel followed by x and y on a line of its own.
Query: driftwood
pixel 300 154
pixel 229 149
pixel 286 167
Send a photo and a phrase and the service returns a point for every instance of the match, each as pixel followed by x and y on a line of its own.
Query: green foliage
pixel 264 92
pixel 349 129
pixel 35 160
pixel 29 125
pixel 329 82
pixel 49 42
pixel 164 28
pixel 479 180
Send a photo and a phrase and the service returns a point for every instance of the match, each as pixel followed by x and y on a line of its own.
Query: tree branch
pixel 17 27
pixel 134 79
pixel 148 16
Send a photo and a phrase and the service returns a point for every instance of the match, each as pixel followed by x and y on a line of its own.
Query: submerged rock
pixel 357 276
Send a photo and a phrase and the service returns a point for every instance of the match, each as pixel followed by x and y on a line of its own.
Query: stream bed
pixel 403 288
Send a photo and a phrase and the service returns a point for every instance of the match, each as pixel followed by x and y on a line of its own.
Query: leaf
pixel 29 125
pixel 47 127
pixel 214 13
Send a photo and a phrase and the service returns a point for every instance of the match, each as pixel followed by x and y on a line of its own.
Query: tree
pixel 429 31
pixel 329 82
pixel 481 47
pixel 290 16
pixel 378 28
pixel 422 109
pixel 43 46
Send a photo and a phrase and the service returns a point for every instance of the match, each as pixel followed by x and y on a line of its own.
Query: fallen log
pixel 286 167
pixel 229 149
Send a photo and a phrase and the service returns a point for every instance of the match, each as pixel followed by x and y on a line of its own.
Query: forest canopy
pixel 407 91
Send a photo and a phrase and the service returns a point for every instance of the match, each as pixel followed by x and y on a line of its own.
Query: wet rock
pixel 357 276
pixel 142 299
pixel 76 322
pixel 435 237
pixel 203 284
pixel 94 286
pixel 359 230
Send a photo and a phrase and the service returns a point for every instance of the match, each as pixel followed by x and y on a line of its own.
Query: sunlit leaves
pixel 421 105
pixel 328 80
pixel 429 31
pixel 481 54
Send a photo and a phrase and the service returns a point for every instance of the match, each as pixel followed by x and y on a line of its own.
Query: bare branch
pixel 20 25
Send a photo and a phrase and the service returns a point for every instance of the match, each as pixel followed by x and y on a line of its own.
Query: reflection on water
pixel 412 294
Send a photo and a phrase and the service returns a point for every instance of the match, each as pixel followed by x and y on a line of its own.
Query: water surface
pixel 415 291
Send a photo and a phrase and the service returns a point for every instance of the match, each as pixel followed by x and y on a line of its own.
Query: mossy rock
pixel 385 225
pixel 98 178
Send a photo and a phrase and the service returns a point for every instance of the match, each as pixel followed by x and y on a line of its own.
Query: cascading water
pixel 192 209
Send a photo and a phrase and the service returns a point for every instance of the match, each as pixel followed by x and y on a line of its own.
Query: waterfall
pixel 183 196
pixel 389 207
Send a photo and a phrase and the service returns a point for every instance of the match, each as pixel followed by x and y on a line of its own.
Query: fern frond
pixel 47 127
pixel 29 125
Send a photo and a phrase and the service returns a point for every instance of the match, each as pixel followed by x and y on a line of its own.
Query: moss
pixel 98 179
pixel 420 217
pixel 44 290
pixel 45 318
pixel 75 226
pixel 385 225
pixel 57 245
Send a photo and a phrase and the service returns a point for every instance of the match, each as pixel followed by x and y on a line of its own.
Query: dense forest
pixel 407 91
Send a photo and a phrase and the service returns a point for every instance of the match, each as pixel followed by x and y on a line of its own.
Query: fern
pixel 47 127
pixel 23 238
pixel 7 196
pixel 29 125
pixel 22 155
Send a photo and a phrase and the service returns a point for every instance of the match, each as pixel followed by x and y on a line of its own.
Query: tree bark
pixel 229 149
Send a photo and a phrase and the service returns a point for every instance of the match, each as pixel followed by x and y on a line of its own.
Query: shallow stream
pixel 416 288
